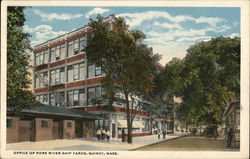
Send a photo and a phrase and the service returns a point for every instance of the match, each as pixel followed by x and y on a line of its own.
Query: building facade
pixel 232 123
pixel 43 122
pixel 63 77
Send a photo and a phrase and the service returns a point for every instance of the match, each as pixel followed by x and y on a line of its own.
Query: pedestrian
pixel 164 134
pixel 159 134
pixel 98 134
pixel 123 135
pixel 103 134
pixel 229 137
pixel 108 135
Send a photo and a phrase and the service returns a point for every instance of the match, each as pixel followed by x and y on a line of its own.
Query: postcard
pixel 116 79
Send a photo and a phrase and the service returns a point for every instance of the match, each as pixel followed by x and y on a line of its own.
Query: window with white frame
pixel 94 92
pixel 43 98
pixel 53 54
pixel 57 53
pixel 76 72
pixel 57 76
pixel 76 97
pixel 94 70
pixel 57 98
pixel 42 81
pixel 41 58
pixel 77 46
pixel 70 48
pixel 83 43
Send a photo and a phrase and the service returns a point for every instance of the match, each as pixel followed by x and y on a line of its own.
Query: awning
pixel 123 124
pixel 138 124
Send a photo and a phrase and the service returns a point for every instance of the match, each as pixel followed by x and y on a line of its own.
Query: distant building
pixel 232 121
pixel 64 77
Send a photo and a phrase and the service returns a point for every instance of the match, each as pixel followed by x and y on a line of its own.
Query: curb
pixel 156 143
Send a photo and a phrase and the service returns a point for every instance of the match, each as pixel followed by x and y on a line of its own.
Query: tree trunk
pixel 129 123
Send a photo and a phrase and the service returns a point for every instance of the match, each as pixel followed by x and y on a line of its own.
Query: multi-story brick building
pixel 63 77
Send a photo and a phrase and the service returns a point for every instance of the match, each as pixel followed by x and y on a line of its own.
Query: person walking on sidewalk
pixel 103 134
pixel 230 137
pixel 159 134
pixel 108 135
pixel 123 135
pixel 164 134
pixel 98 134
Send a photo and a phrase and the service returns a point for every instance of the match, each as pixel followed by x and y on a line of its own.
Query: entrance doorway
pixel 57 129
pixel 79 129
pixel 32 130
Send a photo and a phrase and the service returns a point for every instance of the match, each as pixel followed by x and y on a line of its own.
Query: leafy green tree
pixel 206 79
pixel 126 61
pixel 17 62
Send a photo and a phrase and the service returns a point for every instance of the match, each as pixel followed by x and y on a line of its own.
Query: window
pixel 94 71
pixel 76 72
pixel 37 59
pixel 69 124
pixel 94 92
pixel 57 99
pixel 70 48
pixel 62 51
pixel 53 54
pixel 76 97
pixel 98 71
pixel 46 55
pixel 36 81
pixel 57 76
pixel 52 99
pixel 57 53
pixel 44 123
pixel 42 98
pixel 96 124
pixel 77 46
pixel 42 80
pixel 91 70
pixel 83 43
pixel 9 123
pixel 106 123
pixel 41 58
pixel 170 125
pixel 101 124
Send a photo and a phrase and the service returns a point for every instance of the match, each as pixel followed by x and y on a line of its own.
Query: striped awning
pixel 138 124
pixel 123 124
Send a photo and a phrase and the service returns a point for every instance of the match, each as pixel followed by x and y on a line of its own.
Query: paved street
pixel 190 143
pixel 90 144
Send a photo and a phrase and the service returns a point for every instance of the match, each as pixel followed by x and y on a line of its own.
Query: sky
pixel 170 31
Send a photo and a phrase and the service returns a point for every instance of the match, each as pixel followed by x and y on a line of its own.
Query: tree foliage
pixel 17 61
pixel 126 61
pixel 206 79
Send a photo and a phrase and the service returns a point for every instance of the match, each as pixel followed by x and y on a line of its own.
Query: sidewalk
pixel 90 144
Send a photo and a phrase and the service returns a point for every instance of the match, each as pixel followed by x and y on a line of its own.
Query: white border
pixel 243 4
